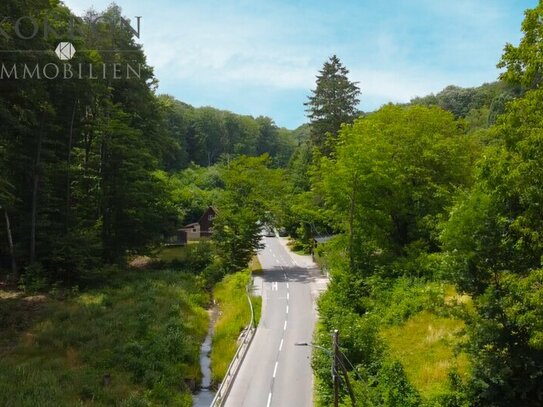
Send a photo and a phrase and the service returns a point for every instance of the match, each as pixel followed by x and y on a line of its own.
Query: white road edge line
pixel 275 369
pixel 269 400
pixel 281 345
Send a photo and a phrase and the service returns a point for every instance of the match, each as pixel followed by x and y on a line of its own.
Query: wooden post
pixel 349 387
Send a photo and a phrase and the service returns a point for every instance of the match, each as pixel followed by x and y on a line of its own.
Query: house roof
pixel 191 225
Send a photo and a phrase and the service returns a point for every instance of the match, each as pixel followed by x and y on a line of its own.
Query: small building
pixel 202 229
pixel 192 231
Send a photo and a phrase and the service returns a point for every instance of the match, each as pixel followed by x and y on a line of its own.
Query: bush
pixel 143 332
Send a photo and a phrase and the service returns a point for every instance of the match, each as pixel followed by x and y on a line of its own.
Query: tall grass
pixel 133 343
pixel 235 314
pixel 425 347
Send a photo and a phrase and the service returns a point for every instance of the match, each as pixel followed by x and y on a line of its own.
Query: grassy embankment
pixel 410 321
pixel 135 342
pixel 426 345
pixel 234 315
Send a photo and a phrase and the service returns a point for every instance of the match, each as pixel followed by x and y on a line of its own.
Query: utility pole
pixel 335 359
pixel 336 365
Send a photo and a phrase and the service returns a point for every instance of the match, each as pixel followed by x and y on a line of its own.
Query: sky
pixel 261 57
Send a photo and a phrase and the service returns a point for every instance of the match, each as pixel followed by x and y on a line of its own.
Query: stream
pixel 204 396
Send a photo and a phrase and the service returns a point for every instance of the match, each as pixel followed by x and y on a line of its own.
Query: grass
pixel 133 343
pixel 424 345
pixel 170 254
pixel 234 315
pixel 255 266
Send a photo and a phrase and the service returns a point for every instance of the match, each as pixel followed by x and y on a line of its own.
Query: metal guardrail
pixel 235 364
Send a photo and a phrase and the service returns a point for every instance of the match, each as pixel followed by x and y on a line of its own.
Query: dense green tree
pixel 495 251
pixel 251 196
pixel 393 175
pixel 480 105
pixel 524 63
pixel 206 135
pixel 79 154
pixel 333 102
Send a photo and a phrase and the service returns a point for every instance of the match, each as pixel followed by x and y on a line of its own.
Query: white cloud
pixel 221 47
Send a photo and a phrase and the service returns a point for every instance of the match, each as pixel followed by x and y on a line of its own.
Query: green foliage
pixel 205 135
pixel 496 228
pixel 505 342
pixel 394 389
pixel 523 63
pixel 495 248
pixel 393 175
pixel 251 196
pixel 144 331
pixel 479 105
pixel 388 187
pixel 79 155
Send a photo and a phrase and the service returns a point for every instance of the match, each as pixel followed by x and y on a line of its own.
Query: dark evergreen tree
pixel 334 102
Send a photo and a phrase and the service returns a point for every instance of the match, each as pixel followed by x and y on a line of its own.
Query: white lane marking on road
pixel 285 326
pixel 275 369
pixel 287 309
pixel 287 296
pixel 273 254
pixel 281 345
pixel 287 283
pixel 269 400
pixel 277 260
pixel 274 286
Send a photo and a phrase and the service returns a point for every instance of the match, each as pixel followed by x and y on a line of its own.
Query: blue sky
pixel 261 57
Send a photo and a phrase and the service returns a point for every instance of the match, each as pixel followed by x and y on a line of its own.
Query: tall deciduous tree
pixel 524 63
pixel 252 193
pixel 393 175
pixel 333 102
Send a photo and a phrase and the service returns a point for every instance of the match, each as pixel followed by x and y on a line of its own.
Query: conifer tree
pixel 333 102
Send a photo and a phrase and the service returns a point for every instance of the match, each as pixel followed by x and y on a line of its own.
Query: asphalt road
pixel 275 372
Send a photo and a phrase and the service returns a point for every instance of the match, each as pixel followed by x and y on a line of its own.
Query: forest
pixel 434 210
